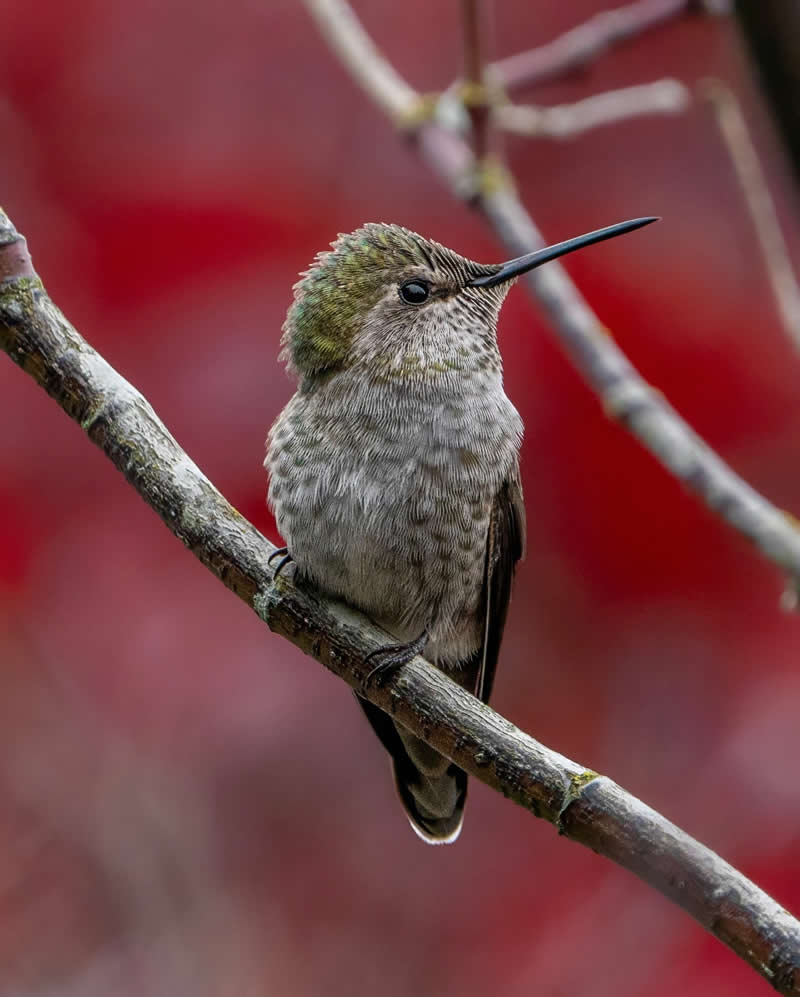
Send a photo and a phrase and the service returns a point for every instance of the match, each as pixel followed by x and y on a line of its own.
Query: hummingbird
pixel 394 468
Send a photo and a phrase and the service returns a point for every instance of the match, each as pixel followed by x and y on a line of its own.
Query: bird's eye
pixel 414 292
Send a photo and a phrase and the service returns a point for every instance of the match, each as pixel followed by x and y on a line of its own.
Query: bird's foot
pixel 391 657
pixel 285 558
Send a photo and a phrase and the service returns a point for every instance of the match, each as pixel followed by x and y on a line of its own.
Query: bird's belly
pixel 405 544
pixel 391 513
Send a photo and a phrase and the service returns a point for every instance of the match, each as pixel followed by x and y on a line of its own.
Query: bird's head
pixel 383 288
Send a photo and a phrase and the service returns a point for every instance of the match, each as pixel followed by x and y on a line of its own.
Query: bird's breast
pixel 384 498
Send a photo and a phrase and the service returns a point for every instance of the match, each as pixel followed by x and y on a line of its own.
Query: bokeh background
pixel 187 804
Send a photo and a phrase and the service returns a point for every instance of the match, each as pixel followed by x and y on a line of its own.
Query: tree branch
pixel 473 90
pixel 760 205
pixel 625 395
pixel 567 120
pixel 772 31
pixel 583 43
pixel 581 804
pixel 368 66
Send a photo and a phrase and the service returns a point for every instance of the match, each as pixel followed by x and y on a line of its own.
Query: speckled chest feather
pixel 382 480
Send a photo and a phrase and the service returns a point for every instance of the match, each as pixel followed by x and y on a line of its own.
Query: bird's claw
pixel 285 558
pixel 392 657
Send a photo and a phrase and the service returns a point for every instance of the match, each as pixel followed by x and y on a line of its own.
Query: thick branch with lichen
pixel 582 805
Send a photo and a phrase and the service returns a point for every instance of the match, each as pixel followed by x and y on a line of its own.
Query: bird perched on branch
pixel 394 469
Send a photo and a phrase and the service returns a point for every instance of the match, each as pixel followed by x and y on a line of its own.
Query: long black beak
pixel 525 263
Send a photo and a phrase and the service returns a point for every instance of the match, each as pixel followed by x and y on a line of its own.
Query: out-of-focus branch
pixel 587 41
pixel 755 188
pixel 772 31
pixel 581 804
pixel 567 120
pixel 625 395
pixel 473 91
pixel 368 66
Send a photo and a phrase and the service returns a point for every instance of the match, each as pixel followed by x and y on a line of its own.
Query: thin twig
pixel 567 120
pixel 581 804
pixel 473 90
pixel 753 183
pixel 368 66
pixel 624 393
pixel 583 43
pixel 771 32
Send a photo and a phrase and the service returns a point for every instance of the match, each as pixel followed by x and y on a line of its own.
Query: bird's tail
pixel 431 788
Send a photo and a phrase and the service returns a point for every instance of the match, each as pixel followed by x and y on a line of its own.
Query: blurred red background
pixel 187 804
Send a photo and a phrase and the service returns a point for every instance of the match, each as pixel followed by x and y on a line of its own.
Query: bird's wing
pixel 505 545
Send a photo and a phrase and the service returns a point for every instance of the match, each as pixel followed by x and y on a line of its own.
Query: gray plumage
pixel 394 472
